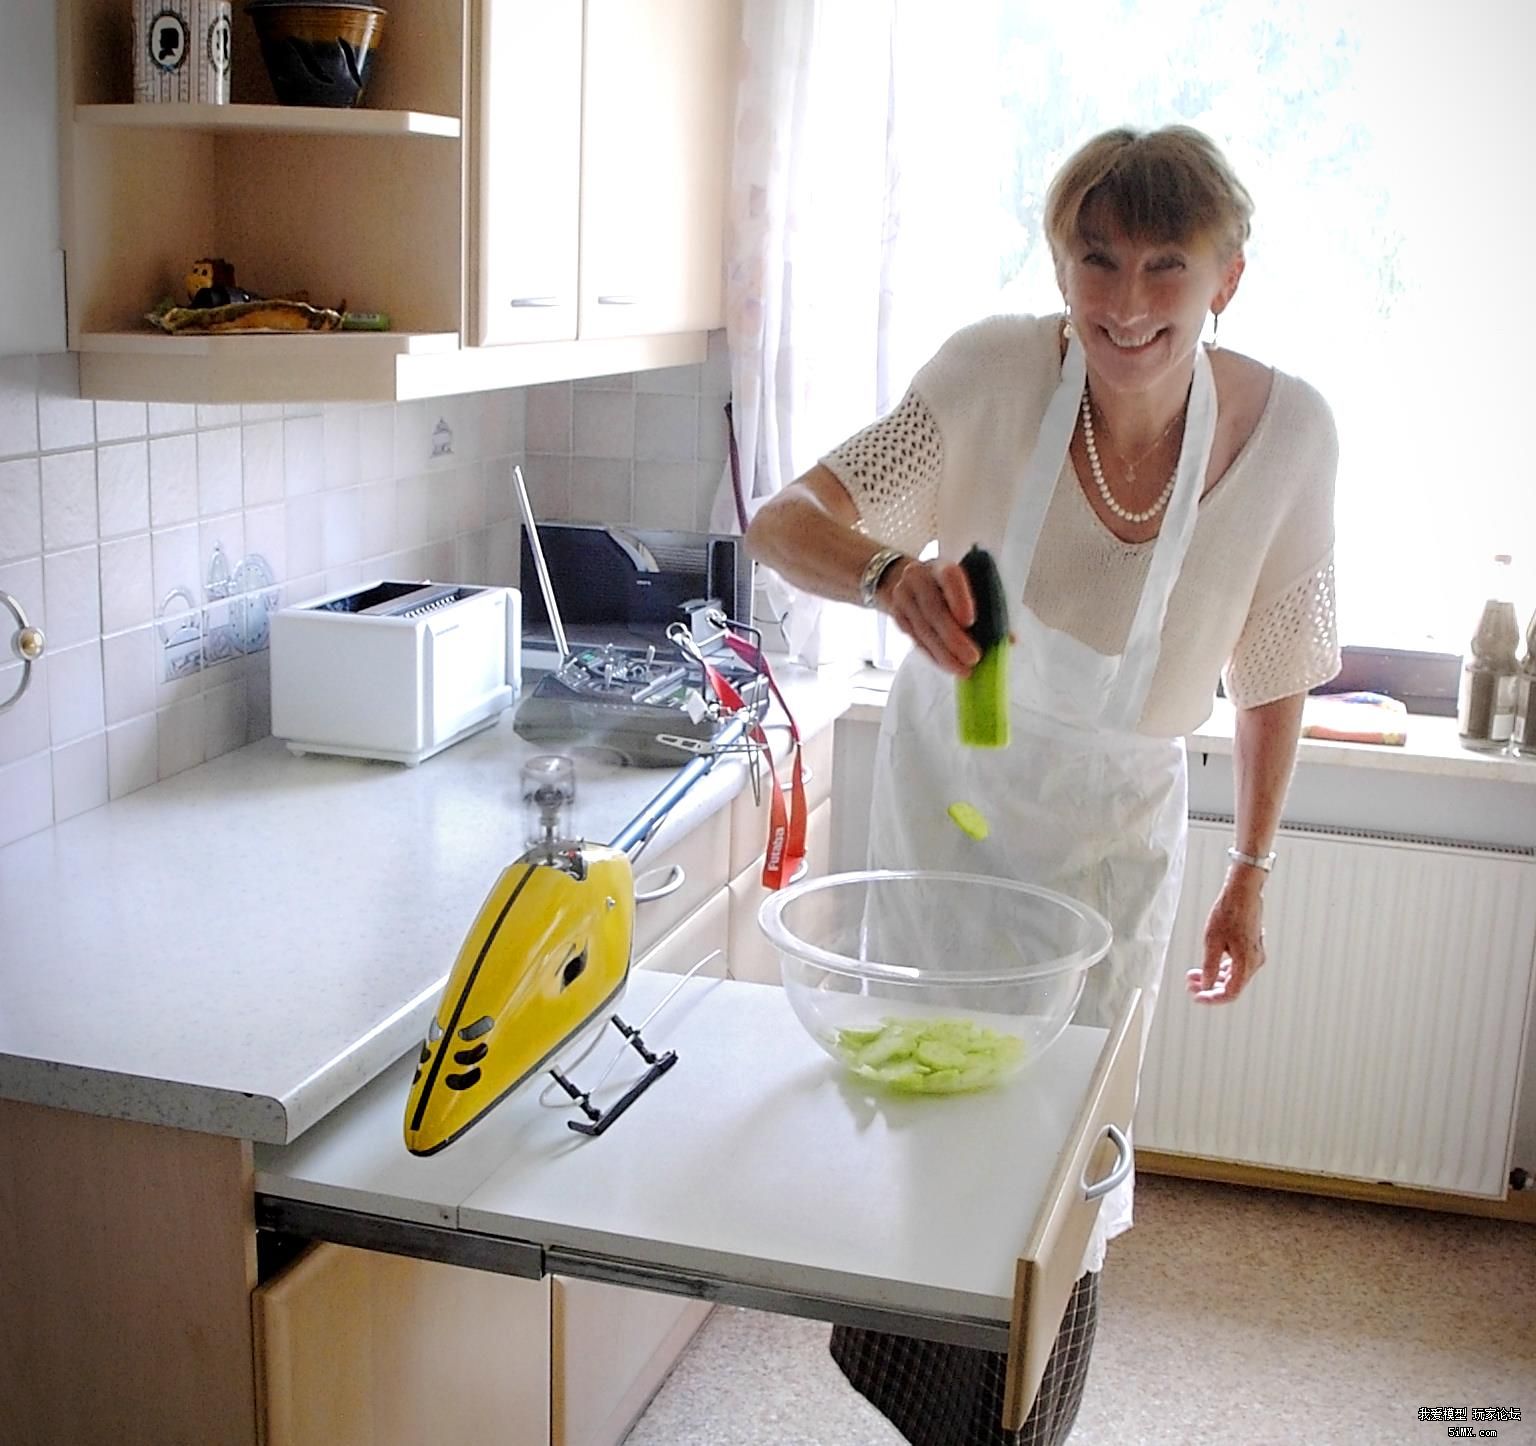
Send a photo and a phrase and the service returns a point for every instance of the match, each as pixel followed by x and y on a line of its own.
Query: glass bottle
pixel 1525 697
pixel 1485 704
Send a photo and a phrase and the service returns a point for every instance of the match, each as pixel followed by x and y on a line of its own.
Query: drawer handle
pixel 676 876
pixel 616 300
pixel 1119 1175
pixel 534 301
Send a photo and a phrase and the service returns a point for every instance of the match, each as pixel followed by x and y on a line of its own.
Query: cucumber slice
pixel 969 820
pixel 929 1056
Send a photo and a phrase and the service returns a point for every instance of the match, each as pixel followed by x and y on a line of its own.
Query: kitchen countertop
pixel 1432 748
pixel 241 947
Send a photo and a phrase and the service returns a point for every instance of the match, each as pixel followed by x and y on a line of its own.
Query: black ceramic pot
pixel 317 54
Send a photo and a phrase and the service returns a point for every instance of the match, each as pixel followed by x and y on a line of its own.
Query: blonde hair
pixel 1172 184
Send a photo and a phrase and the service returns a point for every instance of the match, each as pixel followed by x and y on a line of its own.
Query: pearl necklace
pixel 1124 513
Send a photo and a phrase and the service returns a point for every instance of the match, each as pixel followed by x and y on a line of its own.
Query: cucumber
pixel 929 1056
pixel 981 700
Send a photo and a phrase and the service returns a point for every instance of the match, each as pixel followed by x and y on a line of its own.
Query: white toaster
pixel 394 670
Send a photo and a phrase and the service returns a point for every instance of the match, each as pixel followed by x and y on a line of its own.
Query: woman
pixel 1161 515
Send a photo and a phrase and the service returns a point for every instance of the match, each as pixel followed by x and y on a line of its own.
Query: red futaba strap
pixel 786 824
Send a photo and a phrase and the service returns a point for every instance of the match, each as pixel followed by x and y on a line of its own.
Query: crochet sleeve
pixel 1289 645
pixel 892 470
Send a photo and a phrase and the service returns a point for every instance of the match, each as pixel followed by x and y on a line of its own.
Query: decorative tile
pixel 75 705
pixel 133 755
pixel 128 673
pixel 219 487
pixel 69 500
pixel 26 797
pixel 21 509
pixel 79 776
pixel 177 569
pixel 63 420
pixel 72 588
pixel 173 479
pixel 122 488
pixel 18 406
pixel 127 583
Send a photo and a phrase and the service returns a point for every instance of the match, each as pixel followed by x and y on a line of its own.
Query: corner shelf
pixel 270 119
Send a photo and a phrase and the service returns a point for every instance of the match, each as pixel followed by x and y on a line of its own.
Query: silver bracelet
pixel 1254 861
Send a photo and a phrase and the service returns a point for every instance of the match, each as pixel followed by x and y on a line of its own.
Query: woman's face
pixel 1139 307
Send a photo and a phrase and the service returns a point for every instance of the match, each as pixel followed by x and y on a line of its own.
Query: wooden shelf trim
pixel 271 346
pixel 274 119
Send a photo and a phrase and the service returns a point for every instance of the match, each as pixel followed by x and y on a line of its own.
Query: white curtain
pixel 808 246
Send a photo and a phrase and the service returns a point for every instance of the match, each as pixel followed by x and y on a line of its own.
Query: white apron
pixel 1079 802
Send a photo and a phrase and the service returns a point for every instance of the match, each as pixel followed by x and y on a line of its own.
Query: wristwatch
pixel 875 570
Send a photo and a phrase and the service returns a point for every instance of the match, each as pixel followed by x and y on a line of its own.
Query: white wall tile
pixel 72 588
pixel 168 417
pixel 340 434
pixel 127 583
pixel 664 494
pixel 306 535
pixel 133 755
pixel 602 424
pixel 714 444
pixel 69 500
pixel 221 414
pixel 414 499
pixel 173 479
pixel 708 487
pixel 218 471
pixel 18 405
pixel 79 776
pixel 182 744
pixel 26 797
pixel 675 381
pixel 258 697
pixel 503 422
pixel 622 382
pixel 63 420
pixel 118 421
pixel 343 527
pixel 303 455
pixel 21 509
pixel 122 488
pixel 500 493
pixel 262 463
pixel 175 557
pixel 266 536
pixel 24 726
pixel 467 491
pixel 549 487
pixel 666 428
pixel 224 719
pixel 261 412
pixel 600 489
pixel 23 579
pixel 75 705
pixel 128 673
pixel 472 557
pixel 436 559
pixel 376 443
pixel 413 438
pixel 715 375
pixel 548 418
pixel 503 542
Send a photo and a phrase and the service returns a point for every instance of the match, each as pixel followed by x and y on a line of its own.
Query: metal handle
pixel 534 301
pixel 618 300
pixel 28 644
pixel 1119 1175
pixel 676 875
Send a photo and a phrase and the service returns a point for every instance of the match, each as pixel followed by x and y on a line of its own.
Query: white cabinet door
pixel 528 158
pixel 31 260
pixel 657 98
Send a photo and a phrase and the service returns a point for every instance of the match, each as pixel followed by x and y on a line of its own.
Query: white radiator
pixel 1383 1040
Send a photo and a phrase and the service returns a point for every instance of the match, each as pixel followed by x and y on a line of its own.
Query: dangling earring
pixel 1066 325
pixel 1215 328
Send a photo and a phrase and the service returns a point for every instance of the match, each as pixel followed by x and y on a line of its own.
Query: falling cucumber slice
pixel 929 1056
pixel 969 820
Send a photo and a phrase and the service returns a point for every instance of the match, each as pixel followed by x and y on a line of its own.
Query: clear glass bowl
pixel 932 983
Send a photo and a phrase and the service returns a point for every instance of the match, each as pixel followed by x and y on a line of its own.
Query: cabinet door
pixel 32 277
pixel 657 98
pixel 750 956
pixel 528 157
pixel 613 1349
pixel 357 1346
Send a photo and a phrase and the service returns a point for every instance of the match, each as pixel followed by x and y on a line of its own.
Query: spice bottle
pixel 1525 697
pixel 1485 705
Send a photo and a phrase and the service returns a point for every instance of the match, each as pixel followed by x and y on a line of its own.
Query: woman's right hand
pixel 931 603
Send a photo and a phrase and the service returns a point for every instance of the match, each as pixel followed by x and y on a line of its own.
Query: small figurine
pixel 211 282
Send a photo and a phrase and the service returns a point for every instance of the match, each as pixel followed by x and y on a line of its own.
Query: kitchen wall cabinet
pixel 496 177
pixel 31 253
pixel 611 226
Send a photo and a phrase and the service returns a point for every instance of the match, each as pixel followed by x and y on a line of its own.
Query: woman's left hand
pixel 1234 940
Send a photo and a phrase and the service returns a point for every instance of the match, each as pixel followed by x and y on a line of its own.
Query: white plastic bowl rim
pixel 769 918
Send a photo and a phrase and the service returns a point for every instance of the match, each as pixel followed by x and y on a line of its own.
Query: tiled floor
pixel 1241 1317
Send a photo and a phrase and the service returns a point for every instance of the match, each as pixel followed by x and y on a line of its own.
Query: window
pixel 1385 147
